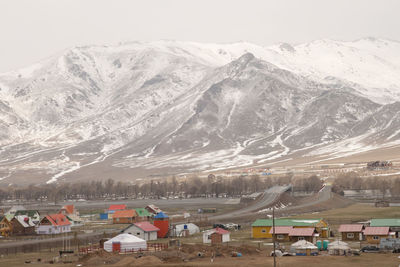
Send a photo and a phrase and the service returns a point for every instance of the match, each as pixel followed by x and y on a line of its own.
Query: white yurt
pixel 338 248
pixel 125 243
pixel 179 229
pixel 304 247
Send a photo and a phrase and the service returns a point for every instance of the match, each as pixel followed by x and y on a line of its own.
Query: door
pixel 116 246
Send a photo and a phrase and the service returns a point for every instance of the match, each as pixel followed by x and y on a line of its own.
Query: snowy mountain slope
pixel 190 106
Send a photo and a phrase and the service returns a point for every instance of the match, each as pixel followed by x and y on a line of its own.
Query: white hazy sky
pixel 31 30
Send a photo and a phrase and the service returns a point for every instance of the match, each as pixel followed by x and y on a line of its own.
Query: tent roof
pixel 338 245
pixel 303 244
pixel 125 238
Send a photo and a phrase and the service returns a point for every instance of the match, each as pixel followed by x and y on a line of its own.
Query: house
pixel 351 232
pixel 143 230
pixel 5 226
pixel 261 227
pixel 11 212
pixel 22 225
pixel 281 233
pixel 309 234
pixel 393 224
pixel 54 224
pixel 34 215
pixel 124 216
pixel 113 208
pixel 143 214
pixel 72 215
pixel 373 235
pixel 216 236
pixel 153 209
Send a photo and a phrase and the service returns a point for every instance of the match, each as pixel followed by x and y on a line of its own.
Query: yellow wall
pixel 257 232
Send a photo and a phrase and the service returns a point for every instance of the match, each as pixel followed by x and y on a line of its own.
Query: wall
pixel 370 240
pixel 257 232
pixel 44 229
pixel 356 237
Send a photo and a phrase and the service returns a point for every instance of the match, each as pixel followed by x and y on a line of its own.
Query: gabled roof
pixel 376 231
pixel 161 215
pixel 345 228
pixel 69 209
pixel 385 222
pixel 302 232
pixel 281 230
pixel 142 212
pixel 146 226
pixel 220 231
pixel 153 208
pixel 25 221
pixel 117 207
pixel 124 214
pixel 58 219
pixel 286 222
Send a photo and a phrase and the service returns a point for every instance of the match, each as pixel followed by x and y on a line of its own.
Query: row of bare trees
pixel 352 181
pixel 211 186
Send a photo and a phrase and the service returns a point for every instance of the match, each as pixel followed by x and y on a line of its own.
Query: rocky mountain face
pixel 169 107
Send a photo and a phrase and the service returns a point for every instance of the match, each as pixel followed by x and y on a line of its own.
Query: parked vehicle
pixel 370 249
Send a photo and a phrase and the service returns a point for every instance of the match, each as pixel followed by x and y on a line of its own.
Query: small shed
pixel 309 234
pixel 143 214
pixel 144 230
pixel 304 248
pixel 161 221
pixel 351 232
pixel 373 235
pixel 124 216
pixel 113 208
pixel 281 233
pixel 125 243
pixel 338 248
pixel 216 236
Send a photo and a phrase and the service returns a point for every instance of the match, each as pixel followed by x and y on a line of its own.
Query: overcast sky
pixel 31 30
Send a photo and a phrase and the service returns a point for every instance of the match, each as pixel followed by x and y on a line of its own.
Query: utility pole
pixel 273 233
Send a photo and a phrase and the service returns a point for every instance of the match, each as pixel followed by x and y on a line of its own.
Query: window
pixel 301 238
pixel 138 233
pixel 280 237
pixel 350 235
pixel 263 231
pixel 375 237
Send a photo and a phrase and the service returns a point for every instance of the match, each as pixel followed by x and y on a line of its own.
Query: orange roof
pixel 124 214
pixel 69 209
pixel 58 219
pixel 117 207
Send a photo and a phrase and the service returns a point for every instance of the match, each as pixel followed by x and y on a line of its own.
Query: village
pixel 125 235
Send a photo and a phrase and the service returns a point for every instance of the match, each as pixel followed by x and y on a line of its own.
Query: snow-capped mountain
pixel 169 107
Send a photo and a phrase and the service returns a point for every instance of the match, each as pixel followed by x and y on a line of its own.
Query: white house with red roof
pixel 224 235
pixel 144 230
pixel 54 224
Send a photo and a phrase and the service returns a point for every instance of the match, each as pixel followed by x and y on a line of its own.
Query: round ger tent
pixel 125 242
pixel 338 248
pixel 304 247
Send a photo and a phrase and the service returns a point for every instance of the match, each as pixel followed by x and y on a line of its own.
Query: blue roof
pixel 161 215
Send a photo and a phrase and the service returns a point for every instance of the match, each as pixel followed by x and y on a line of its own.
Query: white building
pixel 180 229
pixel 143 230
pixel 53 224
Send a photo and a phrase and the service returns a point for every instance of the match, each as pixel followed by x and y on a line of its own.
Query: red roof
pixel 302 231
pixel 344 228
pixel 117 207
pixel 376 231
pixel 125 214
pixel 58 219
pixel 281 230
pixel 221 231
pixel 69 209
pixel 146 226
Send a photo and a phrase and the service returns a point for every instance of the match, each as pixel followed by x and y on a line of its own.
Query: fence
pixel 151 247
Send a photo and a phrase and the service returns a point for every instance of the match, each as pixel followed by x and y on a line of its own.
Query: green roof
pixel 29 213
pixel 142 212
pixel 286 222
pixel 385 222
